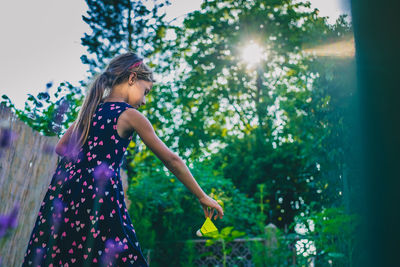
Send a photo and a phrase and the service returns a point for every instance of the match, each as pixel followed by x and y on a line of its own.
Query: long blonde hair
pixel 116 72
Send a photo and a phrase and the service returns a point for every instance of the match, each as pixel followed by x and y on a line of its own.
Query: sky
pixel 40 41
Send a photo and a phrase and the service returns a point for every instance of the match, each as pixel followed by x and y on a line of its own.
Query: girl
pixel 83 220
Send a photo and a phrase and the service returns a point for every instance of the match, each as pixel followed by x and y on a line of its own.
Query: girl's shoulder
pixel 143 127
pixel 134 119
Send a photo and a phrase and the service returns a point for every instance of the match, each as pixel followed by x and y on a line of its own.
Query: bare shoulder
pixel 132 119
pixel 136 121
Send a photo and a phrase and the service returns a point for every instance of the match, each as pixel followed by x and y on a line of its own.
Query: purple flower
pixel 71 150
pixel 13 218
pixel 58 205
pixel 102 174
pixel 38 258
pixel 64 105
pixel 56 128
pixel 3 225
pixel 9 221
pixel 7 137
pixel 112 248
pixel 58 118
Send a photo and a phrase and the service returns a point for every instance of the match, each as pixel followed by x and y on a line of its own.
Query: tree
pixel 119 26
pixel 250 117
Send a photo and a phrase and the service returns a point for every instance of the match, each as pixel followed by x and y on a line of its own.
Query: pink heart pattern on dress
pixel 75 197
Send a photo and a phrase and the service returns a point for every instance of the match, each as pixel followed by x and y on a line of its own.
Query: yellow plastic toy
pixel 208 228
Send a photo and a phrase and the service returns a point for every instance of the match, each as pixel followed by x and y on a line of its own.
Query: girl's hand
pixel 207 202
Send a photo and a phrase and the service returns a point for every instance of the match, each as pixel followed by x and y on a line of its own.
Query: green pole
pixel 376 31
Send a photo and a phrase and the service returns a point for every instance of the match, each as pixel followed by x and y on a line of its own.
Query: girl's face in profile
pixel 138 92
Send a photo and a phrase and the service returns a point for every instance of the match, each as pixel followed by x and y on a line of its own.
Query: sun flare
pixel 252 53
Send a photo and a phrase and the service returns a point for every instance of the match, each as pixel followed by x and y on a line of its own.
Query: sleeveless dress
pixel 83 220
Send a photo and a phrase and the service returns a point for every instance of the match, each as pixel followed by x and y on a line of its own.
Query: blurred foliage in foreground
pixel 47 116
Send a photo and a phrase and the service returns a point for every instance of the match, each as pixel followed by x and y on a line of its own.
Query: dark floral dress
pixel 83 220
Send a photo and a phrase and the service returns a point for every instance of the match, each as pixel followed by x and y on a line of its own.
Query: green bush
pixel 274 251
pixel 333 233
pixel 163 205
pixel 188 254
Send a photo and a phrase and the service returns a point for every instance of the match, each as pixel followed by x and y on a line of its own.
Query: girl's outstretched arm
pixel 173 162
